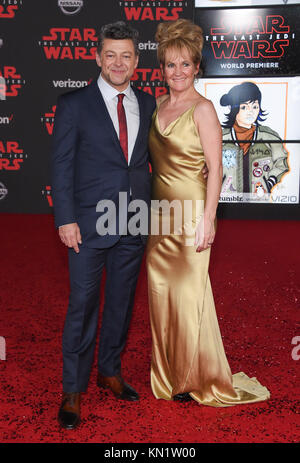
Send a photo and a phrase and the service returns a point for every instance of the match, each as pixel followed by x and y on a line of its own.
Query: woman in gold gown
pixel 188 358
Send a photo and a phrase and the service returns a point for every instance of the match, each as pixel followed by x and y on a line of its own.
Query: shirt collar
pixel 110 92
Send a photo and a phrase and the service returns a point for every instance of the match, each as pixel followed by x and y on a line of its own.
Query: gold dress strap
pixel 159 101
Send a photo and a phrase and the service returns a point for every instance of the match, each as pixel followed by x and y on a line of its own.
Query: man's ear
pixel 98 59
pixel 136 61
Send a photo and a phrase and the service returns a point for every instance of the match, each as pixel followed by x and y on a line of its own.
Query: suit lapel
pixel 97 102
pixel 142 122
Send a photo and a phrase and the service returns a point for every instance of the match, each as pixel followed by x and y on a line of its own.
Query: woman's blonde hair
pixel 179 34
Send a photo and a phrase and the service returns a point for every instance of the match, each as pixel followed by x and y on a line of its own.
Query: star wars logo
pixel 48 120
pixel 149 80
pixel 11 82
pixel 8 8
pixel 250 37
pixel 162 10
pixel 11 155
pixel 65 43
pixel 47 194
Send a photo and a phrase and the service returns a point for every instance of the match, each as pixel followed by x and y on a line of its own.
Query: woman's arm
pixel 210 134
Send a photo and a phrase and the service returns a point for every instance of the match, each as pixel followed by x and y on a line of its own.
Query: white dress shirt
pixel 131 106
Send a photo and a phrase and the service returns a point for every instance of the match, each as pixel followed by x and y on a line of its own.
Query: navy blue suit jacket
pixel 88 164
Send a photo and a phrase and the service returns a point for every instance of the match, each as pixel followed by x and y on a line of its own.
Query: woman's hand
pixel 205 172
pixel 205 234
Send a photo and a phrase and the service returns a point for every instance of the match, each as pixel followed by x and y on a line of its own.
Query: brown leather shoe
pixel 69 412
pixel 117 385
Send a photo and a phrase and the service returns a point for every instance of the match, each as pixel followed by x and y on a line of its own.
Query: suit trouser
pixel 122 263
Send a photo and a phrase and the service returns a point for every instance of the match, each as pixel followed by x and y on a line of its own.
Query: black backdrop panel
pixel 47 48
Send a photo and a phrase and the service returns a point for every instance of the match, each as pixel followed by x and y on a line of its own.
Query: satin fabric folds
pixel 187 353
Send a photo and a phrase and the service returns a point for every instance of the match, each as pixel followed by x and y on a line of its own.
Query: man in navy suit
pixel 99 150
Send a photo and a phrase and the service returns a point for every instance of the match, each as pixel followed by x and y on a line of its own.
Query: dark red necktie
pixel 122 126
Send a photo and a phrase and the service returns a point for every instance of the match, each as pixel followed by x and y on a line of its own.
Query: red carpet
pixel 255 273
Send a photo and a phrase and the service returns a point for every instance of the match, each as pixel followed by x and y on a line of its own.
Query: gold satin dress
pixel 187 350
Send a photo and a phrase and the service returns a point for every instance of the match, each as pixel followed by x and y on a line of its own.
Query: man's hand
pixel 70 235
pixel 205 171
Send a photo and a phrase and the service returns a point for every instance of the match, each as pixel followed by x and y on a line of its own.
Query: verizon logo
pixel 71 83
pixel 6 119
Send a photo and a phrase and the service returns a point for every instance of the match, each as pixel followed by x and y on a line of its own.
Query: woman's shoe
pixel 184 397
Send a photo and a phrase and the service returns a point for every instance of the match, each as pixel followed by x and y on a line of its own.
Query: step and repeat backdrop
pixel 251 69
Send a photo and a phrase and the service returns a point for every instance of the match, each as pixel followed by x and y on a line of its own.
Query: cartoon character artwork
pixel 259 190
pixel 254 158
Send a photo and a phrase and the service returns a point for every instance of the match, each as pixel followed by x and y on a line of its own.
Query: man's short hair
pixel 118 31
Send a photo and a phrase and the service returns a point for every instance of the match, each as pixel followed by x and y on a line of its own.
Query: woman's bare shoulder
pixel 204 105
pixel 205 113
